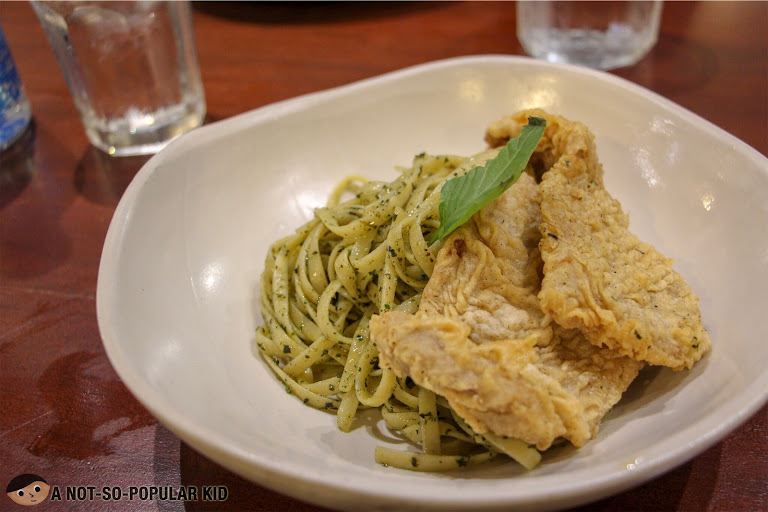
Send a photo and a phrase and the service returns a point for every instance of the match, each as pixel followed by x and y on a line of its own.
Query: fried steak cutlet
pixel 541 358
pixel 599 277
pixel 481 340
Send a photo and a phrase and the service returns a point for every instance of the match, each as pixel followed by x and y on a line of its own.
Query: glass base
pixel 592 48
pixel 142 134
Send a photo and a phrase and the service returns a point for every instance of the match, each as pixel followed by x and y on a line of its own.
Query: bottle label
pixel 13 109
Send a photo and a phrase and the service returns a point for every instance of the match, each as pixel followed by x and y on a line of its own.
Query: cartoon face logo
pixel 28 489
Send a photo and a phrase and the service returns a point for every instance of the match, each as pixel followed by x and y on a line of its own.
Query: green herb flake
pixel 463 196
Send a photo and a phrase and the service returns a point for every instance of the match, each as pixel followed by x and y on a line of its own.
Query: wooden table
pixel 66 416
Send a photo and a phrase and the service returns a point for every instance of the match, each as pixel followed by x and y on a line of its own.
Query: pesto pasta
pixel 366 253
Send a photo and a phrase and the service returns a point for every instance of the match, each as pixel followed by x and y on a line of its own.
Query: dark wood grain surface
pixel 66 416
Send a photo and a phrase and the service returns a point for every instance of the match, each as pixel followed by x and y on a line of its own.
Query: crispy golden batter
pixel 481 340
pixel 598 276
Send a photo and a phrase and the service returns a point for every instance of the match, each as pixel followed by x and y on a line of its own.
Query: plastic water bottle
pixel 14 106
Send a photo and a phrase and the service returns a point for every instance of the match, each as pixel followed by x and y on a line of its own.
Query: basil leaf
pixel 463 196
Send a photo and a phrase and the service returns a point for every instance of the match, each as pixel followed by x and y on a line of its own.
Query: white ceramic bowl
pixel 177 290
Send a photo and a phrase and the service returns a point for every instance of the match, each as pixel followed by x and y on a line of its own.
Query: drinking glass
pixel 131 67
pixel 602 35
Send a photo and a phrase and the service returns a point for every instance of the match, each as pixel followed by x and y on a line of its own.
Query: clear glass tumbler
pixel 131 67
pixel 15 113
pixel 601 35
